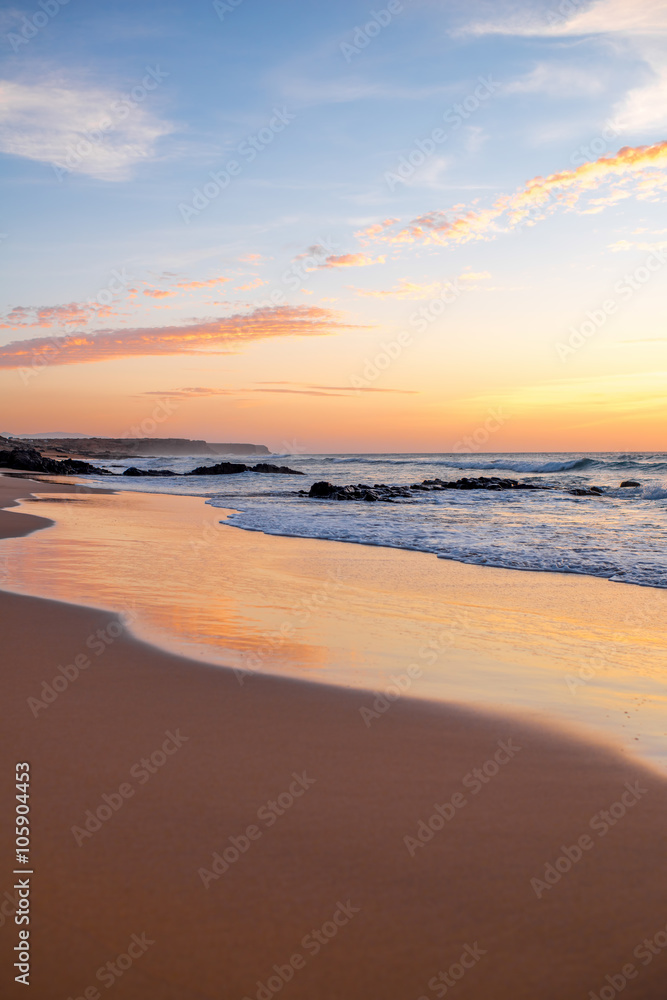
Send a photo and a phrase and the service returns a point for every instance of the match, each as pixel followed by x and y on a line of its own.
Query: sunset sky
pixel 330 227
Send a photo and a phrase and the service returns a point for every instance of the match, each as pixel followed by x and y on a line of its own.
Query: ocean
pixel 620 536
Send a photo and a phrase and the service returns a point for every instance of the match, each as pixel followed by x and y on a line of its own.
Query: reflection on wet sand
pixel 579 648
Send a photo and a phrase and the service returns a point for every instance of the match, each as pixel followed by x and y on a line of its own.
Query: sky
pixel 427 226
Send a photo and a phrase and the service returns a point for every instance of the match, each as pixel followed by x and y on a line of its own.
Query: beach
pixel 257 834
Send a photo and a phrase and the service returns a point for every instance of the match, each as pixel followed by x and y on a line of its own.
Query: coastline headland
pixel 108 448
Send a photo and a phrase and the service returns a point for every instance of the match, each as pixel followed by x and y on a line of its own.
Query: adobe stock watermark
pixel 248 149
pixel 455 116
pixel 300 270
pixel 401 684
pixel 626 288
pixel 120 110
pixel 559 15
pixel 646 951
pixel 364 34
pixel 313 942
pixel 142 771
pixel 472 443
pixel 474 780
pixel 596 146
pixel 67 674
pixel 601 823
pixel 302 610
pixel 163 410
pixel 33 25
pixel 391 350
pixel 600 661
pixel 108 973
pixel 441 983
pixel 268 814
pixel 224 7
pixel 48 354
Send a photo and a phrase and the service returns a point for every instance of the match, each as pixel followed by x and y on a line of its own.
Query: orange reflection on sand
pixel 576 647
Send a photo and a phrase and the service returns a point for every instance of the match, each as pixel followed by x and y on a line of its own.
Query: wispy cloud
pixel 403 290
pixel 634 170
pixel 628 17
pixel 255 283
pixel 302 388
pixel 190 392
pixel 58 124
pixel 70 314
pixel 351 260
pixel 224 335
pixel 559 81
pixel 291 388
pixel 192 285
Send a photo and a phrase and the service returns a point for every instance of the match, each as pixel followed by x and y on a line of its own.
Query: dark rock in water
pixel 322 489
pixel 586 491
pixel 132 471
pixel 390 494
pixel 221 469
pixel 282 469
pixel 30 460
pixel 230 468
pixel 630 482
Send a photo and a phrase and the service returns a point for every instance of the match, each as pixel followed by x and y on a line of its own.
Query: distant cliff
pixel 106 448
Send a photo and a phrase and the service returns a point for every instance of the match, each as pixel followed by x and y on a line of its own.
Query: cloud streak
pixel 222 336
pixel 636 170
pixel 627 17
pixel 351 260
pixel 58 124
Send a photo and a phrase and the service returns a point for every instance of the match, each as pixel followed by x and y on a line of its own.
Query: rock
pixel 30 460
pixel 630 482
pixel 586 491
pixel 230 468
pixel 133 471
pixel 282 469
pixel 389 494
pixel 322 489
pixel 221 469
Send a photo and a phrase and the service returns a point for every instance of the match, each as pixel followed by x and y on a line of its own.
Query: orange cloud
pixel 351 260
pixel 295 388
pixel 220 336
pixel 255 283
pixel 636 167
pixel 71 313
pixel 189 285
pixel 404 290
pixel 190 392
pixel 157 293
pixel 372 231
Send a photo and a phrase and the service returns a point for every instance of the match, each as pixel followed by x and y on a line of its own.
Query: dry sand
pixel 342 840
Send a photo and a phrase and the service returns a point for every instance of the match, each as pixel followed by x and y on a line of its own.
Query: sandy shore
pixel 461 899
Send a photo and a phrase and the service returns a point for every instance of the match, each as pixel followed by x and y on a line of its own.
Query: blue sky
pixel 335 99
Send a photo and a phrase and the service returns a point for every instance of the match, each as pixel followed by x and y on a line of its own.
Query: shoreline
pixel 232 827
pixel 564 649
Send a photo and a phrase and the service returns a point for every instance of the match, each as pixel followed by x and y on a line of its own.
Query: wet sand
pixel 408 911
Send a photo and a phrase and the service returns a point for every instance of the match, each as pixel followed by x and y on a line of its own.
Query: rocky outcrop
pixel 221 469
pixel 630 482
pixel 114 448
pixel 230 468
pixel 132 471
pixel 30 460
pixel 281 469
pixel 390 494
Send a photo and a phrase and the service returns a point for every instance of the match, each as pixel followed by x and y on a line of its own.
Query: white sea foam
pixel 621 536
